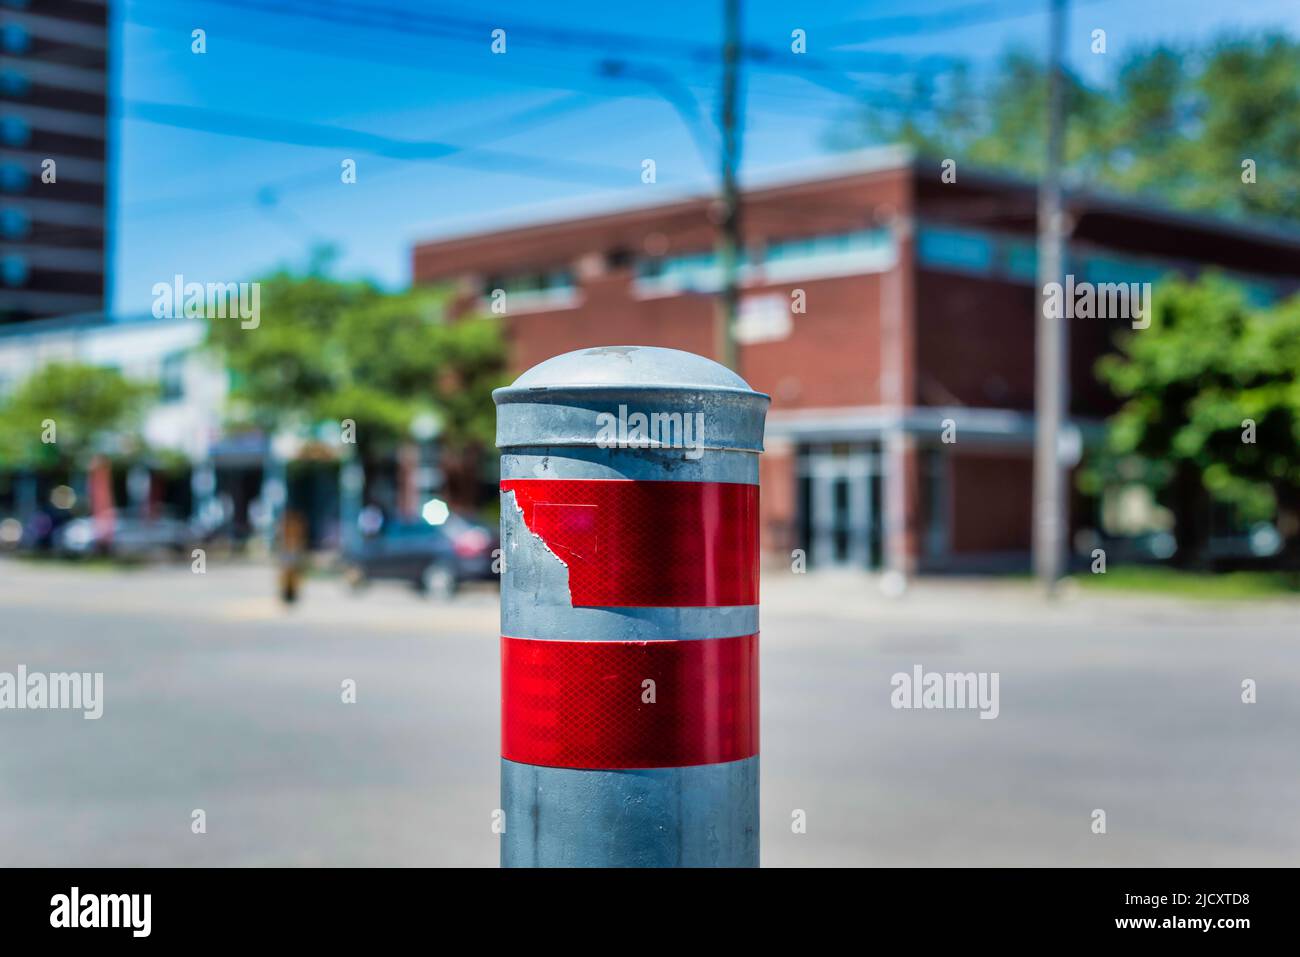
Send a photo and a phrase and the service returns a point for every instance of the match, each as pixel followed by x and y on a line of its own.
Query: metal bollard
pixel 629 611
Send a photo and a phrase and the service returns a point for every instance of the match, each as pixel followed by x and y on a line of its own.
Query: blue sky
pixel 243 172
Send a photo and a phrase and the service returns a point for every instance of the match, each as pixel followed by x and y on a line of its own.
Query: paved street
pixel 216 698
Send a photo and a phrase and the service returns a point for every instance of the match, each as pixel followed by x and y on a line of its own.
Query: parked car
pixel 437 559
pixel 130 535
pixel 39 531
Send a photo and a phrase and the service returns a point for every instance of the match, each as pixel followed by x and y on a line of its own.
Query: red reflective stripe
pixel 647 544
pixel 580 704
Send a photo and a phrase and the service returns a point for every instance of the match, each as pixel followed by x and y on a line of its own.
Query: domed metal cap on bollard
pixel 556 402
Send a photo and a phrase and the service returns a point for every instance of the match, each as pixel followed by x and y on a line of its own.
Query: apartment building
pixel 53 157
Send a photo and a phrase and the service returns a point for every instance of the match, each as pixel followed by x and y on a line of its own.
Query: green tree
pixel 328 350
pixel 1175 123
pixel 1211 405
pixel 85 409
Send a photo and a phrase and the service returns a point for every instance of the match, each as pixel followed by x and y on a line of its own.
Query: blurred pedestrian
pixel 292 554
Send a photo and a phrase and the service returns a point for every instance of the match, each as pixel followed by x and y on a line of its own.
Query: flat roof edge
pixel 875 160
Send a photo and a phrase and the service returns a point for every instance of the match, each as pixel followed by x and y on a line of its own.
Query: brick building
pixel 884 311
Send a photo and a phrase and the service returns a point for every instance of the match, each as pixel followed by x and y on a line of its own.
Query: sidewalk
pixel 245 592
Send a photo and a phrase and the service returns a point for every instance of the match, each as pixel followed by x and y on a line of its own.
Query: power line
pixel 832 74
pixel 484 131
pixel 953 18
pixel 383 53
pixel 671 89
pixel 759 102
pixel 547 75
pixel 505 126
pixel 300 133
pixel 405 20
pixel 825 74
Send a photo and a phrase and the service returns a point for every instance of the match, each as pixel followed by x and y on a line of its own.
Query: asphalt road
pixel 215 698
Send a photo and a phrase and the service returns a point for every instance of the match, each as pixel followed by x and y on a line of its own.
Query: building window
pixel 15 39
pixel 813 247
pixel 13 270
pixel 959 250
pixel 1099 269
pixel 1015 259
pixel 13 178
pixel 13 83
pixel 548 289
pixel 695 272
pixel 934 476
pixel 764 318
pixel 14 131
pixel 1020 260
pixel 14 224
pixel 171 378
pixel 837 254
pixel 811 257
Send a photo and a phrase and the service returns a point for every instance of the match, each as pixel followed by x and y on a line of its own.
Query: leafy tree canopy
pixel 82 407
pixel 1213 385
pixel 328 350
pixel 1174 124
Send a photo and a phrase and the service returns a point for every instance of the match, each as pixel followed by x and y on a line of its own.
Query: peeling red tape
pixel 647 544
pixel 583 704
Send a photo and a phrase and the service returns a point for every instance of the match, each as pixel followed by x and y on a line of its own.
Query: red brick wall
pixel 610 315
pixel 991 501
pixel 975 341
pixel 777 500
pixel 975 346
pixel 831 357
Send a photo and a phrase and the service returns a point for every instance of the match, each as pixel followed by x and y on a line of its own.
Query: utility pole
pixel 1052 378
pixel 730 125
pixel 729 241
